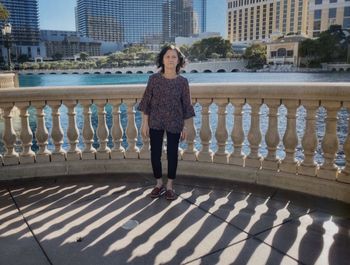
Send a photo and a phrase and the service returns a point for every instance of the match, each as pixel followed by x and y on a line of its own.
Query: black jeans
pixel 156 139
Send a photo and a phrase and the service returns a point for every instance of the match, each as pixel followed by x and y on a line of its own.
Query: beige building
pixel 324 13
pixel 284 50
pixel 251 20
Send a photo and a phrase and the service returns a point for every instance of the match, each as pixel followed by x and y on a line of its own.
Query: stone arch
pixel 97 73
pixel 118 72
pixel 234 70
pixel 64 73
pixel 108 73
pixel 334 70
pixel 38 74
pixel 194 71
pixel 207 71
pixel 75 73
pixel 149 72
pixel 52 73
pixel 86 73
pixel 129 72
pixel 221 71
pixel 139 72
pixel 183 72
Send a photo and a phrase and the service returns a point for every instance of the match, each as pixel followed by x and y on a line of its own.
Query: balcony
pixel 262 163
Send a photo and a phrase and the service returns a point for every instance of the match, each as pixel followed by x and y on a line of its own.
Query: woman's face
pixel 170 60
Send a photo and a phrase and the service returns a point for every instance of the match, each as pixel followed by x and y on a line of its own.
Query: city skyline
pixel 59 15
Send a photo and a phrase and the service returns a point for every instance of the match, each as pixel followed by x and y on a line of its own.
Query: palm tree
pixel 4 14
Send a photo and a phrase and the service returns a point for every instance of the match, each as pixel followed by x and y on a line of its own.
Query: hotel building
pixel 324 13
pixel 252 20
pixel 25 36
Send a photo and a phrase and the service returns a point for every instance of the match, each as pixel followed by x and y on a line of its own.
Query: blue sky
pixel 59 15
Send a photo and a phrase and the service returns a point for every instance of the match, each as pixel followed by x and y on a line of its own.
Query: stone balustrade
pixel 299 173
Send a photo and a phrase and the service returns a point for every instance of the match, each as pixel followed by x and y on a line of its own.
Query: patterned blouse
pixel 167 102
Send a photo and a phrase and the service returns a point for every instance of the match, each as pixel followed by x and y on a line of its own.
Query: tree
pixel 84 56
pixel 57 56
pixel 4 14
pixel 308 50
pixel 204 49
pixel 256 56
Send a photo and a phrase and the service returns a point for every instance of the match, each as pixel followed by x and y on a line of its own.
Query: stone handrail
pixel 289 173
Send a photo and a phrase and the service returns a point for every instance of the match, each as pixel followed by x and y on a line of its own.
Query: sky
pixel 59 15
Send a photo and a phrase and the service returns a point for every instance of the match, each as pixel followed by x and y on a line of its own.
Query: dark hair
pixel 180 55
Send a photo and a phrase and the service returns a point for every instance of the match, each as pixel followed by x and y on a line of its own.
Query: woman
pixel 166 106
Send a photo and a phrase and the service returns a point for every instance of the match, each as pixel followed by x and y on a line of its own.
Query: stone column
pixel 41 134
pixel 254 135
pixel 308 166
pixel 205 155
pixel 9 136
pixel 102 131
pixel 272 137
pixel 190 153
pixel 59 154
pixel 89 152
pixel 221 156
pixel 131 130
pixel 290 138
pixel 117 151
pixel 330 141
pixel 74 153
pixel 27 156
pixel 344 175
pixel 237 134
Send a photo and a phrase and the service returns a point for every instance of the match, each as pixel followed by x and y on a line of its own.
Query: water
pixel 115 79
pixel 94 79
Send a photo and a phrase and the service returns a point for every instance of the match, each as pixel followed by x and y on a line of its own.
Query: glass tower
pixel 140 21
pixel 24 18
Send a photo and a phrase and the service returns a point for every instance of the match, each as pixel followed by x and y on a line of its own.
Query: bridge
pixel 193 67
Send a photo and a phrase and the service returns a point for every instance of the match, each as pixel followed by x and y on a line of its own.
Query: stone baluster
pixel 344 175
pixel 117 151
pixel 272 137
pixel 145 149
pixel 308 166
pixel 221 156
pixel 290 138
pixel 330 141
pixel 59 154
pixel 131 131
pixel 254 135
pixel 190 153
pixel 27 156
pixel 205 155
pixel 74 153
pixel 103 152
pixel 237 135
pixel 89 152
pixel 41 134
pixel 9 136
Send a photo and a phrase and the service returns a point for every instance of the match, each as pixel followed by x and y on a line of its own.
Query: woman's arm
pixel 145 126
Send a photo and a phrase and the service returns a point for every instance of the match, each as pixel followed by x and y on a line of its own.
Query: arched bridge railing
pixel 293 136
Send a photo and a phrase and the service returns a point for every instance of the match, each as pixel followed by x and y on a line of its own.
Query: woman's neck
pixel 169 73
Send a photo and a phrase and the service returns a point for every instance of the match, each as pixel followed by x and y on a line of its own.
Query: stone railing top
pixel 299 91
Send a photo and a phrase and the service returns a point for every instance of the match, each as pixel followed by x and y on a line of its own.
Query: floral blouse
pixel 167 102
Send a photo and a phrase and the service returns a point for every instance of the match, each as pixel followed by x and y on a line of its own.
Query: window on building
pixel 346 23
pixel 318 2
pixel 281 52
pixel 317 14
pixel 347 11
pixel 273 54
pixel 290 53
pixel 333 1
pixel 317 25
pixel 332 13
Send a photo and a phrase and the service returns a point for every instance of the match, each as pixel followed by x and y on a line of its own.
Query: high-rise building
pixel 324 13
pixel 251 20
pixel 24 19
pixel 140 21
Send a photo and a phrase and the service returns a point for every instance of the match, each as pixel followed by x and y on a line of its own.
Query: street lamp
pixel 6 33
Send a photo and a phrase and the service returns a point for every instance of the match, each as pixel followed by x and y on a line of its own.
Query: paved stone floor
pixel 110 219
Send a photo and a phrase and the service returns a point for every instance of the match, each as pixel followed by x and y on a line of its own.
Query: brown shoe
pixel 170 195
pixel 157 192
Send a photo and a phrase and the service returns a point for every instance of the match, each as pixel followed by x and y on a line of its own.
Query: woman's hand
pixel 145 130
pixel 183 135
